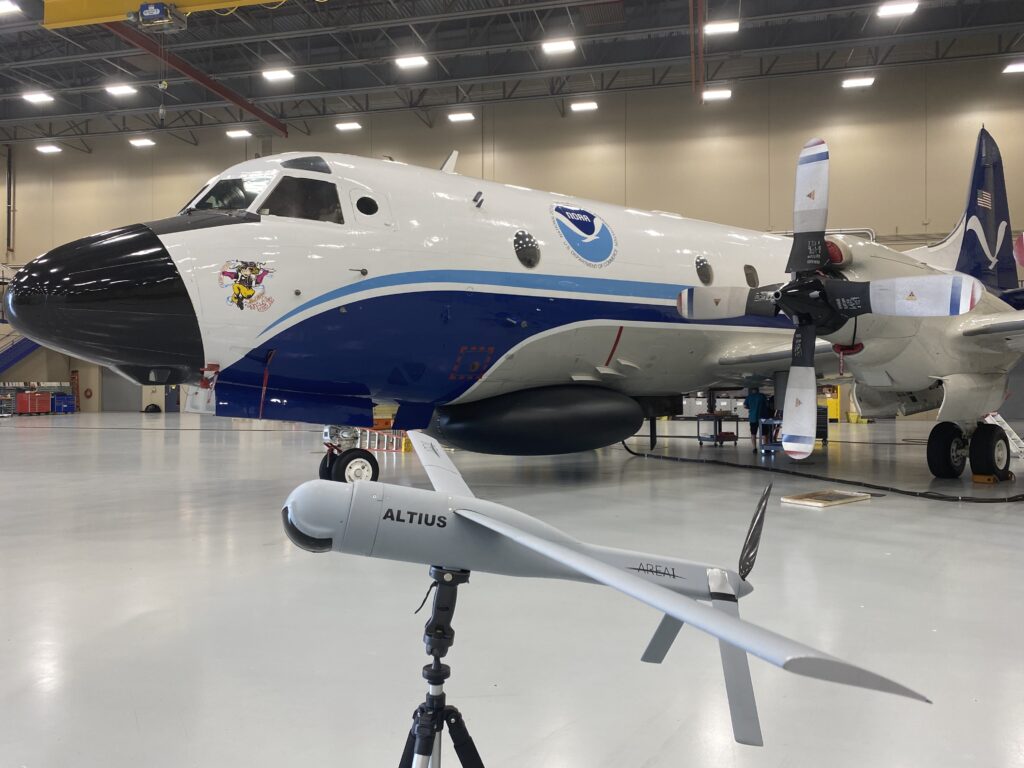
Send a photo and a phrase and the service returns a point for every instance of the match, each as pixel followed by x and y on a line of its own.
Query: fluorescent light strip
pixel 1017 66
pixel 461 117
pixel 889 10
pixel 274 75
pixel 583 106
pixel 48 149
pixel 238 133
pixel 858 82
pixel 120 90
pixel 717 94
pixel 37 97
pixel 142 142
pixel 349 126
pixel 6 6
pixel 721 27
pixel 559 46
pixel 411 62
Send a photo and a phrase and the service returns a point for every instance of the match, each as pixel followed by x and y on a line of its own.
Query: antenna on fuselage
pixel 449 164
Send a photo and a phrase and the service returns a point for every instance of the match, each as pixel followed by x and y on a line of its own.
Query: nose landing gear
pixel 344 462
pixel 949 448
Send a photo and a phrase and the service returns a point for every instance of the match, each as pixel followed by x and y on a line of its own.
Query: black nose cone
pixel 115 298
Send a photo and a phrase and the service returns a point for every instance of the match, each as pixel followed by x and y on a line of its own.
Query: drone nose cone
pixel 315 514
pixel 115 298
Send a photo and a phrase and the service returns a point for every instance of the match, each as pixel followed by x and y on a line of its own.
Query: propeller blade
pixel 925 296
pixel 750 545
pixel 700 303
pixel 800 413
pixel 810 209
pixel 739 688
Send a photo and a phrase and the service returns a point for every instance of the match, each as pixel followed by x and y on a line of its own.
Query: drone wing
pixel 773 648
pixel 442 473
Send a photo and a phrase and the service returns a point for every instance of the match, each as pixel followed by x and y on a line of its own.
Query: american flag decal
pixel 984 199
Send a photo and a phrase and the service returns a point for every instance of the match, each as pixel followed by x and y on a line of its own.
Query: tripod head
pixel 438 634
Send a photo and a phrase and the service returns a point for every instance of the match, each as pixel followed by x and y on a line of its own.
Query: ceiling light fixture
pixel 6 6
pixel 273 75
pixel 890 10
pixel 48 149
pixel 349 126
pixel 121 90
pixel 559 46
pixel 143 142
pixel 411 62
pixel 583 106
pixel 858 82
pixel 717 94
pixel 238 133
pixel 721 27
pixel 37 97
pixel 461 117
pixel 1017 66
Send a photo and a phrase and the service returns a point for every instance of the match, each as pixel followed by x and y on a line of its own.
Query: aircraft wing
pixel 1006 328
pixel 750 354
pixel 765 644
pixel 1004 324
pixel 442 473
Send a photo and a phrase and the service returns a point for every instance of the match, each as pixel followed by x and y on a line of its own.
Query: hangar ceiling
pixel 343 54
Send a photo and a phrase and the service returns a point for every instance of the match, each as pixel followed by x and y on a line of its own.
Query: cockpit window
pixel 304 199
pixel 232 194
pixel 227 195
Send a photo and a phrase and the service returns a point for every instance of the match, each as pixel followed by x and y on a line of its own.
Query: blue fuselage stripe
pixel 812 158
pixel 954 296
pixel 562 283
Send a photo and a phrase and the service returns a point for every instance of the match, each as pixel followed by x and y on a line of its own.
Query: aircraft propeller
pixel 818 301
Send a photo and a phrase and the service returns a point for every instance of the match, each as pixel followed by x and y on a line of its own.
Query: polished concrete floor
pixel 152 612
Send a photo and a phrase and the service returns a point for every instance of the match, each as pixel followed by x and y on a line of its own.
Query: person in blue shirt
pixel 757 409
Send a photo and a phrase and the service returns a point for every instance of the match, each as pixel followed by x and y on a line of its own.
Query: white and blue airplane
pixel 513 321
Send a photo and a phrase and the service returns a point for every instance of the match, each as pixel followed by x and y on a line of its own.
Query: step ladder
pixel 1016 443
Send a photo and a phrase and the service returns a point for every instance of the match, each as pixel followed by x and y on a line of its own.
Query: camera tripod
pixel 423 744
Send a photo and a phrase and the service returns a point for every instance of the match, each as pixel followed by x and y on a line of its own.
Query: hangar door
pixel 119 394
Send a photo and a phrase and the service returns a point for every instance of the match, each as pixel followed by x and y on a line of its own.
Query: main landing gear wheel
pixel 325 465
pixel 947 450
pixel 354 464
pixel 990 451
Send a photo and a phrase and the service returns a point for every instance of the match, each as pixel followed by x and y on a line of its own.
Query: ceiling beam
pixel 149 45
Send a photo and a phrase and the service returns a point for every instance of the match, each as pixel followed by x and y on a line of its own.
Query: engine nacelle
pixel 884 403
pixel 840 255
pixel 536 422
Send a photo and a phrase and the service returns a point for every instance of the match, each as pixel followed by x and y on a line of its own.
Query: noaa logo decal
pixel 585 235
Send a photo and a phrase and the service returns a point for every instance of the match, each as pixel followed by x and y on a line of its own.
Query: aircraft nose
pixel 115 298
pixel 745 588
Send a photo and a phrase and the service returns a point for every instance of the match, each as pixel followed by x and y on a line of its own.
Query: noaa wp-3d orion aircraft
pixel 512 321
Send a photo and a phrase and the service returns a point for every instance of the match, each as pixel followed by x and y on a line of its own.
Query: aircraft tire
pixel 325 465
pixel 355 464
pixel 947 451
pixel 990 451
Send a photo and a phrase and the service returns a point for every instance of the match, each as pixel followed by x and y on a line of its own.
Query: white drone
pixel 451 529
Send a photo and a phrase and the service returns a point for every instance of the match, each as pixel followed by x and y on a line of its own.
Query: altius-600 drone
pixel 455 532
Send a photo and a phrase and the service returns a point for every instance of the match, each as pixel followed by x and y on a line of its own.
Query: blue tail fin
pixel 986 251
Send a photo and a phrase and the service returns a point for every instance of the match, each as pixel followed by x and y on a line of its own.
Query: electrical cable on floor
pixel 931 495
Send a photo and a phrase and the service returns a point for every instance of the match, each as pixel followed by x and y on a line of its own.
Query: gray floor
pixel 153 614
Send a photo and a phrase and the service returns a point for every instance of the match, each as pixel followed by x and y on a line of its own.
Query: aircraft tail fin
pixel 982 243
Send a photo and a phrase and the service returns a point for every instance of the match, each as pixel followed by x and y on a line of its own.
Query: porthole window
pixel 367 206
pixel 704 271
pixel 751 275
pixel 527 249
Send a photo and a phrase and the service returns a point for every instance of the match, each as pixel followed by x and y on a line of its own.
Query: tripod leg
pixel 406 761
pixel 461 740
pixel 419 744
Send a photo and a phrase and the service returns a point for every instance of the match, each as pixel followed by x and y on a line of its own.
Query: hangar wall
pixel 901 154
